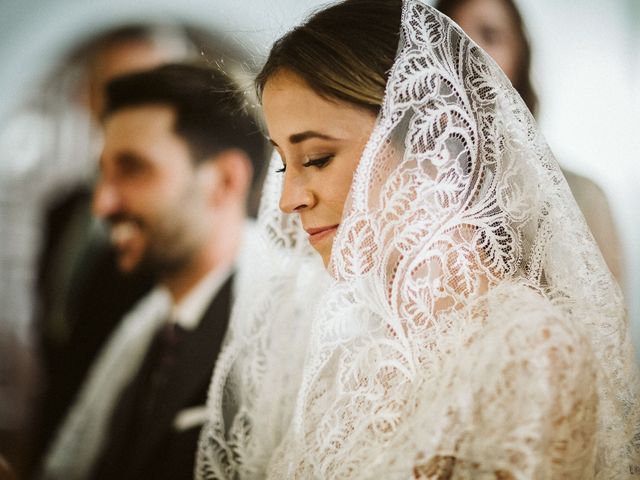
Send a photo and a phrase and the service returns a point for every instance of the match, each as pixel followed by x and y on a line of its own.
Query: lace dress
pixel 467 327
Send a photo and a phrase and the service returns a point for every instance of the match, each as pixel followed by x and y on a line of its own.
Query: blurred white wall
pixel 586 69
pixel 34 33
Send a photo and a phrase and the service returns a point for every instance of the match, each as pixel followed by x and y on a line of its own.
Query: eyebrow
pixel 306 135
pixel 124 157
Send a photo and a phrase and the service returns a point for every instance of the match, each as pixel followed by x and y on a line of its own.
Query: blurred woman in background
pixel 497 27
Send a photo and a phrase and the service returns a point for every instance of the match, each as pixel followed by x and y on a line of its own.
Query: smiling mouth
pixel 317 234
pixel 122 233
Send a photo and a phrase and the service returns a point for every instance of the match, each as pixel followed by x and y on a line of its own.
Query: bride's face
pixel 320 142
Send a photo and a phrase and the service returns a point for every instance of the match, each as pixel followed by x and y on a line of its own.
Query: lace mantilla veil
pixel 468 326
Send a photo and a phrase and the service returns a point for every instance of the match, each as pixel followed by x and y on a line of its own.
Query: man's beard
pixel 160 265
pixel 165 251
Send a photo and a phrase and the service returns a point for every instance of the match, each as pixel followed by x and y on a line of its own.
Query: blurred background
pixel 585 69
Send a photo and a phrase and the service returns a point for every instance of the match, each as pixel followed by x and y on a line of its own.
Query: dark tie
pixel 160 367
pixel 139 404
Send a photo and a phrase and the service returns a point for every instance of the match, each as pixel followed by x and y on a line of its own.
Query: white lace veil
pixel 469 327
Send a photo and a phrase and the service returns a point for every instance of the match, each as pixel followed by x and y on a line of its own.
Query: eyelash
pixel 317 162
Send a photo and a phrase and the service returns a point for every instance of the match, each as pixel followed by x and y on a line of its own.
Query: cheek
pixel 150 206
pixel 337 194
pixel 144 202
pixel 338 187
pixel 507 59
pixel 162 193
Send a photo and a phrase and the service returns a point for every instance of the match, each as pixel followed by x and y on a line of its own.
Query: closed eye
pixel 491 35
pixel 131 164
pixel 313 162
pixel 318 162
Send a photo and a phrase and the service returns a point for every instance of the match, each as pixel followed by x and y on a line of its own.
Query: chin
pixel 324 251
pixel 126 268
pixel 326 257
pixel 127 264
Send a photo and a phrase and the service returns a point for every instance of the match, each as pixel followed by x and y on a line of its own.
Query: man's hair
pixel 210 111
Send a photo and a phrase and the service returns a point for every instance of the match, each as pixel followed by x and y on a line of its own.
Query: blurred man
pixel 48 156
pixel 82 296
pixel 176 170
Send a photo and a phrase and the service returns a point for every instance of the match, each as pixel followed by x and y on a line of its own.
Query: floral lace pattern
pixel 470 328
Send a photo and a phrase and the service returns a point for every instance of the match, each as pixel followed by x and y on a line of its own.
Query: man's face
pixel 150 192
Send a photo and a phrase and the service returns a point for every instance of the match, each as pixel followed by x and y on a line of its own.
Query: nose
pixel 296 193
pixel 106 199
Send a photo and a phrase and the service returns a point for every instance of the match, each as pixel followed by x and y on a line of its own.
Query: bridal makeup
pixel 320 142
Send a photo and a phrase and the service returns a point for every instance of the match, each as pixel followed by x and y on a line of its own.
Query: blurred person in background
pixel 16 387
pixel 175 175
pixel 6 471
pixel 81 293
pixel 61 291
pixel 498 28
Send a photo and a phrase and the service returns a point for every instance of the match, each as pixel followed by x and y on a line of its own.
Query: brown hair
pixel 343 52
pixel 522 82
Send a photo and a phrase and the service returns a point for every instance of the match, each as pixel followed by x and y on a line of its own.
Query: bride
pixel 464 324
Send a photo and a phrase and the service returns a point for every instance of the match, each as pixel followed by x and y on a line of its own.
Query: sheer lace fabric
pixel 469 327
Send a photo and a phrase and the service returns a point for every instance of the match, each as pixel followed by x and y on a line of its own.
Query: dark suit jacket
pixel 154 449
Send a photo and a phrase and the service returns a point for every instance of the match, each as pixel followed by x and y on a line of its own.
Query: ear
pixel 228 176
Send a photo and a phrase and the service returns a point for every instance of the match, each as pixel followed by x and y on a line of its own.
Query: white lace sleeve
pixel 517 399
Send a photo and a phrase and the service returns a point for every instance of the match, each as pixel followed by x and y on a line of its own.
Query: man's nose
pixel 106 199
pixel 296 194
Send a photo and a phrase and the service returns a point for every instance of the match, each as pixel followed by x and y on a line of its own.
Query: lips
pixel 317 234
